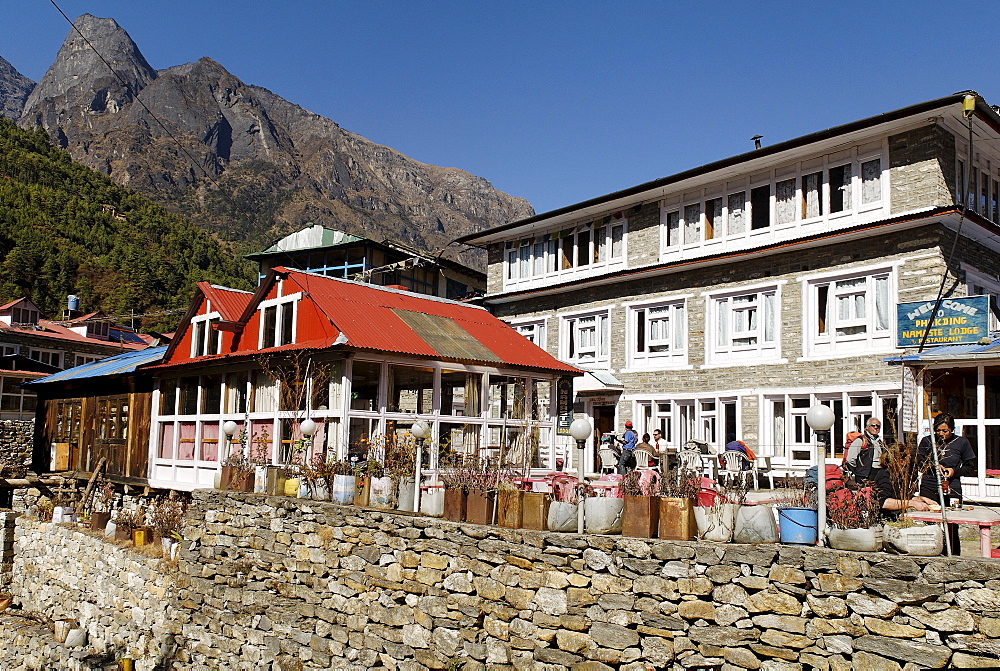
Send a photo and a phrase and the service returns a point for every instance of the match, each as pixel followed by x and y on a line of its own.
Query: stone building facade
pixel 728 299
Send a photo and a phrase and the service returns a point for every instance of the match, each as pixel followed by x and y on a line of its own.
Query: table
pixel 984 518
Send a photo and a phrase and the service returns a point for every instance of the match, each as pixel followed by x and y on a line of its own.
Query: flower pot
pixel 405 499
pixel 563 516
pixel 455 501
pixel 480 506
pixel 62 628
pixel 798 525
pixel 535 510
pixel 111 530
pixel 343 489
pixel 260 479
pixel 676 519
pixel 381 492
pixel 98 521
pixel 716 523
pixel 362 488
pixel 603 515
pixel 858 540
pixel 226 476
pixel 755 524
pixel 167 544
pixel 123 533
pixel 318 490
pixel 239 480
pixel 291 487
pixel 510 510
pixel 641 516
pixel 274 483
pixel 927 541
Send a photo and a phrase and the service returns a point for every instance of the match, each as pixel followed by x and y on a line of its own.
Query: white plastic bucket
pixel 857 540
pixel 716 523
pixel 755 524
pixel 381 495
pixel 562 516
pixel 432 500
pixel 927 541
pixel 343 489
pixel 603 515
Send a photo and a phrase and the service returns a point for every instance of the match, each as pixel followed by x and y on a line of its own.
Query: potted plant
pixel 167 519
pixel 510 509
pixel 565 505
pixel 342 481
pixel 753 523
pixel 456 490
pixel 237 472
pixel 902 534
pixel 714 515
pixel 400 466
pixel 678 490
pixel 104 497
pixel 602 511
pixel 535 510
pixel 380 485
pixel 482 500
pixel 127 522
pixel 641 511
pixel 855 520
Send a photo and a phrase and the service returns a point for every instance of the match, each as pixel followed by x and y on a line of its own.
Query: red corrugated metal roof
pixel 366 315
pixel 55 331
pixel 374 318
pixel 229 303
pixel 13 303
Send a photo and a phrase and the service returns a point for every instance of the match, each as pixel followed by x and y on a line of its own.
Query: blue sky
pixel 559 102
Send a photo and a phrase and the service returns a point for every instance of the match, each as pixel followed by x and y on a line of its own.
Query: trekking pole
pixel 940 488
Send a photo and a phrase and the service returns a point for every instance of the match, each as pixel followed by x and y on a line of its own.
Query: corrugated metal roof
pixel 229 303
pixel 115 365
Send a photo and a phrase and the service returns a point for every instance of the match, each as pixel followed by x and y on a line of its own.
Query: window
pixel 98 330
pixel 24 316
pixel 585 339
pixel 812 195
pixel 760 207
pixel 277 321
pixel 15 403
pixel 683 419
pixel 46 356
pixel 673 228
pixel 205 336
pixel 713 217
pixel 595 244
pixel 692 224
pixel 745 326
pixel 871 181
pixel 840 188
pixel 82 360
pixel 979 284
pixel 737 224
pixel 533 331
pixel 784 201
pixel 850 313
pixel 657 335
pixel 9 350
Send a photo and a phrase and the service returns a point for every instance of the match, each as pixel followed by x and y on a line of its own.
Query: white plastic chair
pixel 689 460
pixel 609 460
pixel 733 462
pixel 642 459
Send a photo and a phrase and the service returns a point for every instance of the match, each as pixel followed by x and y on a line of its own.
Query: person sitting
pixel 644 444
pixel 739 446
pixel 864 454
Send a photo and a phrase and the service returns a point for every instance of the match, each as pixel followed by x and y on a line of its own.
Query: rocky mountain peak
pixel 79 81
pixel 14 90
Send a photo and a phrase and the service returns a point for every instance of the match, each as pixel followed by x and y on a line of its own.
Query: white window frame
pixel 575 328
pixel 831 344
pixel 45 356
pixel 766 349
pixel 533 330
pixel 672 350
pixel 282 303
pixel 83 359
pixel 523 267
pixel 202 346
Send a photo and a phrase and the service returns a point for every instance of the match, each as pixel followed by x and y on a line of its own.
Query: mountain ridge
pixel 264 155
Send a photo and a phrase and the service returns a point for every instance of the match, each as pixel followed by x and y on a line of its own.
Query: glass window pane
pixel 673 228
pixel 784 197
pixel 871 181
pixel 692 224
pixel 737 220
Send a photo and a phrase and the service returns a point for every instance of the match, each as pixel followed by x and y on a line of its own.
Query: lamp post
pixel 820 418
pixel 229 428
pixel 580 430
pixel 420 431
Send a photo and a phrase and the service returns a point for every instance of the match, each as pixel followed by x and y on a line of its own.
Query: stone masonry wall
pixel 331 586
pixel 124 600
pixel 15 441
pixel 921 169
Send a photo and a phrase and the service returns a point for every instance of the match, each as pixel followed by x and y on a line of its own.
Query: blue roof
pixel 951 352
pixel 115 365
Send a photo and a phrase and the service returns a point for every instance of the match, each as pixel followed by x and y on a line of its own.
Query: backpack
pixel 849 440
pixel 834 478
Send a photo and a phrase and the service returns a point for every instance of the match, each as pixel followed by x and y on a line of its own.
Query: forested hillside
pixel 65 229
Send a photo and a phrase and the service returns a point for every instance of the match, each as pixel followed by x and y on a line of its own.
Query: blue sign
pixel 958 320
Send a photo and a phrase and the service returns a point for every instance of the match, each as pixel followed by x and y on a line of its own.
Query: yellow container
pixel 140 537
pixel 291 487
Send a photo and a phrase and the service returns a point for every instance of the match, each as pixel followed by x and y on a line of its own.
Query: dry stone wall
pixel 277 583
pixel 15 442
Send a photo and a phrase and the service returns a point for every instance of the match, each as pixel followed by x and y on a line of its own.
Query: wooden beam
pixel 85 499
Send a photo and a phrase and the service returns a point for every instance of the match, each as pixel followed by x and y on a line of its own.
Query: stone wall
pixel 288 584
pixel 124 600
pixel 15 441
pixel 282 579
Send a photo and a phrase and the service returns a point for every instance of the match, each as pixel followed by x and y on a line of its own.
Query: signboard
pixel 564 405
pixel 908 416
pixel 958 320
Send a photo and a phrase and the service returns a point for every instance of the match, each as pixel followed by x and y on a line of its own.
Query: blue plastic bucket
pixel 798 525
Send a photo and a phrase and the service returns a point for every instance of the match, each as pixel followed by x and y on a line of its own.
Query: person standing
pixel 864 455
pixel 628 442
pixel 955 459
